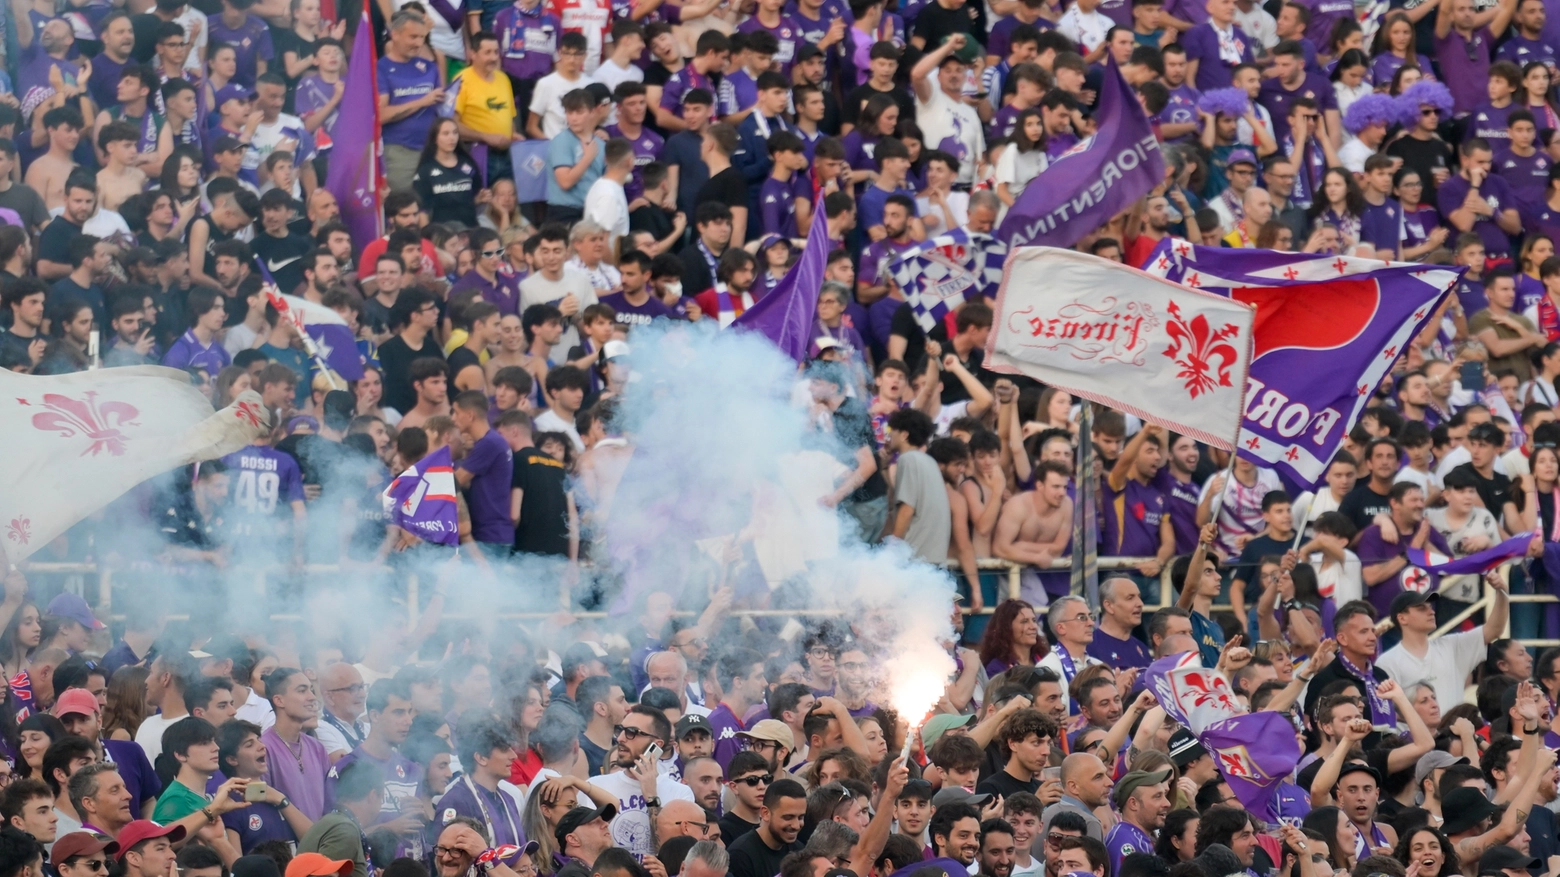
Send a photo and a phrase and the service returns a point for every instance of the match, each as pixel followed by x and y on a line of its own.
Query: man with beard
pixel 1233 828
pixel 732 292
pixel 390 715
pixel 635 779
pixel 288 747
pixel 955 832
pixel 1100 705
pixel 759 852
pixel 1385 564
pixel 582 836
pixel 1121 611
pixel 1144 800
pixel 1156 224
pixel 459 846
pixel 998 851
pixel 702 776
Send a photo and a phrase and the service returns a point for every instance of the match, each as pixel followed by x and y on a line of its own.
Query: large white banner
pixel 74 443
pixel 1111 333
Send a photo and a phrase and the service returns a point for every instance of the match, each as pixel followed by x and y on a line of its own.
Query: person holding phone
pixel 132 342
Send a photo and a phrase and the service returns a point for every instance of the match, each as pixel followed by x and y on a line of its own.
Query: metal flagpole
pixel 1085 538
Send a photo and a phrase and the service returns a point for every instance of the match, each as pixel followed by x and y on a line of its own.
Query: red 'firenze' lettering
pixel 1107 330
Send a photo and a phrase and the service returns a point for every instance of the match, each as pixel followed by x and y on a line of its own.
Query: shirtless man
pixel 119 180
pixel 511 348
pixel 953 460
pixel 601 468
pixel 48 172
pixel 1035 525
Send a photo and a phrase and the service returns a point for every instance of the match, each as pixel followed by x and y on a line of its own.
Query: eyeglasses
pixel 820 651
pixel 626 733
pixel 702 827
pixel 448 851
pixel 855 667
pixel 354 689
pixel 488 254
pixel 1081 616
pixel 756 780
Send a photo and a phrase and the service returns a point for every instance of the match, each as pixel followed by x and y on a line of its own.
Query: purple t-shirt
pixel 1188 10
pixel 527 40
pixel 1372 549
pixel 1381 225
pixel 647 147
pixel 313 93
pixel 1528 177
pixel 1006 119
pixel 1119 653
pixel 258 823
pixel 859 150
pixel 1465 67
pixel 251 42
pixel 140 779
pixel 738 91
pixel 813 31
pixel 777 206
pixel 1131 518
pixel 405 83
pixel 1202 45
pixel 1324 16
pixel 1279 100
pixel 1181 109
pixel 1124 839
pixel 1518 49
pixel 788 33
pixel 1181 505
pixel 1417 225
pixel 1494 190
pixel 301 777
pixel 402 775
pixel 1489 121
pixel 103 84
pixel 1470 295
pixel 188 352
pixel 503 292
pixel 682 82
pixel 492 468
pixel 724 727
pixel 869 207
pixel 636 315
pixel 1386 64
pixel 264 479
pixel 1529 291
pixel 1000 41
pixel 873 268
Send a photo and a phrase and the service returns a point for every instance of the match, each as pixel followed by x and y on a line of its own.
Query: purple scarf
pixel 1381 711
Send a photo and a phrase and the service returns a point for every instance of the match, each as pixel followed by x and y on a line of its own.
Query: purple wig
pixel 1372 109
pixel 1232 102
pixel 1423 93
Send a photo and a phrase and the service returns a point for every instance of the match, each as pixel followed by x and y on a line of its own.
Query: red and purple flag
pixel 1327 330
pixel 422 499
pixel 788 314
pixel 354 175
pixel 1094 180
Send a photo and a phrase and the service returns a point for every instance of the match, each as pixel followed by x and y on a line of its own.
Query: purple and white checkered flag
pixel 940 274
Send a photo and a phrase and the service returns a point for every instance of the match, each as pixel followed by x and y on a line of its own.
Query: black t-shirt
pixel 1376 758
pixel 66 289
pixel 657 74
pixel 395 363
pixel 1495 492
pixel 449 193
pixel 14 347
pixel 462 358
pixel 727 187
pixel 27 204
pixel 1250 563
pixel 853 428
pixel 1362 504
pixel 953 388
pixel 544 512
pixel 54 243
pixel 652 219
pixel 214 236
pixel 751 857
pixel 283 257
pixel 696 275
pixel 1423 156
pixel 905 325
pixel 934 22
pixel 733 826
pixel 1005 784
pixel 859 95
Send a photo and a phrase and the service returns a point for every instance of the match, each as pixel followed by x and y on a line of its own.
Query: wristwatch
pixel 653 802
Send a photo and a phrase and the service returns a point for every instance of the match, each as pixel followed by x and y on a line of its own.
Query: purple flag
pixel 422 502
pixel 788 314
pixel 1093 181
pixel 1327 330
pixel 939 275
pixel 529 160
pixel 1437 564
pixel 1254 752
pixel 354 173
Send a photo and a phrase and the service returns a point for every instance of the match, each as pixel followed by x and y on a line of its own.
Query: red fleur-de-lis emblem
pixel 1389 353
pixel 1163 263
pixel 1194 280
pixel 1233 764
pixel 1340 264
pixel 19 531
pixel 1290 273
pixel 248 411
pixel 1419 314
pixel 1253 443
pixel 86 417
pixel 1204 355
pixel 1181 249
pixel 1294 454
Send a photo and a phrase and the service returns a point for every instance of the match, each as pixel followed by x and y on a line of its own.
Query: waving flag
pixel 330 338
pixel 1093 181
pixel 940 274
pixel 1254 751
pixel 75 443
pixel 788 314
pixel 422 501
pixel 355 175
pixel 1433 564
pixel 1103 330
pixel 1327 329
pixel 529 160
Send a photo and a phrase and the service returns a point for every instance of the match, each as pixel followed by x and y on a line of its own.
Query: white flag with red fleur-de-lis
pixel 74 443
pixel 1111 333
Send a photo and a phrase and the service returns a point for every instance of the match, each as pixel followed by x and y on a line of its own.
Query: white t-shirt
pixel 547 101
pixel 958 205
pixel 1258 25
pixel 1480 522
pixel 440 35
pixel 256 709
pixel 1445 666
pixel 1354 153
pixel 149 735
pixel 610 74
pixel 1425 480
pixel 538 290
pixel 631 829
pixel 941 118
pixel 1018 168
pixel 1240 511
pixel 607 206
pixel 239 338
pixel 1340 581
pixel 548 421
pixel 1088 29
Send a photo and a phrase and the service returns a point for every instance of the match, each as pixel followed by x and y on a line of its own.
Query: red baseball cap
pixel 144 830
pixel 75 700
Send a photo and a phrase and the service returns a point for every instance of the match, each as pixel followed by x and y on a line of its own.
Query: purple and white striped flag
pixel 940 274
pixel 422 500
pixel 1327 330
pixel 1435 564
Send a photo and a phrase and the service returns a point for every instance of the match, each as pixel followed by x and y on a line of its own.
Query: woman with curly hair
pixel 1341 204
pixel 1012 638
pixel 1428 848
pixel 833 765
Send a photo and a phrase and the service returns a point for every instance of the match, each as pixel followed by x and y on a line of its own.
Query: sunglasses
pixel 94 865
pixel 1430 112
pixel 754 781
pixel 488 254
pixel 624 732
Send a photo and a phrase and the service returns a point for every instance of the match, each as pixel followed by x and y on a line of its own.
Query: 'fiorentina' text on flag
pixel 1111 333
pixel 1100 177
pixel 76 442
pixel 422 501
pixel 1327 330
